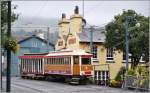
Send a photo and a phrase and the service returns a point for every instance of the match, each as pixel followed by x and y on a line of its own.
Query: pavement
pixel 19 85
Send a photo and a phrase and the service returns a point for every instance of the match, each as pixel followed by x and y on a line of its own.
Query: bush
pixel 131 72
pixel 116 84
pixel 120 74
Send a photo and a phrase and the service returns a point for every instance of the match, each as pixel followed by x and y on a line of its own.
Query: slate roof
pixel 33 36
pixel 98 35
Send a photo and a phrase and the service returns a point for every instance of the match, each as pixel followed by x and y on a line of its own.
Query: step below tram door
pixel 76 66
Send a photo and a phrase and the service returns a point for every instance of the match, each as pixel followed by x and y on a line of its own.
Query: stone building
pixel 72 35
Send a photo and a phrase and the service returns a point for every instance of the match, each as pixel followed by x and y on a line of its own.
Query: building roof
pixel 34 36
pixel 98 35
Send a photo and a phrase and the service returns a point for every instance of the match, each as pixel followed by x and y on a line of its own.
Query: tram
pixel 72 66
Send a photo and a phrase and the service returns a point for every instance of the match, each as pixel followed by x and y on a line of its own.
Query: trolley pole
pixel 8 78
pixel 47 39
pixel 91 39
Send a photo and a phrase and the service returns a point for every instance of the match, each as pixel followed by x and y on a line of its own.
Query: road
pixel 35 86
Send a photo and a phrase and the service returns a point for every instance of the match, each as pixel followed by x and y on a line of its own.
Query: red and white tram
pixel 73 66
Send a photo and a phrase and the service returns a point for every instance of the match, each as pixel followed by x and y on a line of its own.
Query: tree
pixel 7 42
pixel 138 36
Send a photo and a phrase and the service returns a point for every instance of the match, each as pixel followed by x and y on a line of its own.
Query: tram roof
pixel 69 53
pixel 58 54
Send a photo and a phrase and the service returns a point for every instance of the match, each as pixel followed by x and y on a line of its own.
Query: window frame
pixel 110 55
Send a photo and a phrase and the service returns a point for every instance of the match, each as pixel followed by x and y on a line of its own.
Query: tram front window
pixel 86 61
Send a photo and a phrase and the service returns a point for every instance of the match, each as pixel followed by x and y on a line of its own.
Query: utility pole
pixel 47 39
pixel 83 8
pixel 126 41
pixel 8 78
pixel 91 39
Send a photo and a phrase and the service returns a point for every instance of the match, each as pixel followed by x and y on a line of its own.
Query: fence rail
pixel 140 82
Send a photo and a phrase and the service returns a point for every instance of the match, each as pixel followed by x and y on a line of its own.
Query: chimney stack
pixel 76 10
pixel 63 15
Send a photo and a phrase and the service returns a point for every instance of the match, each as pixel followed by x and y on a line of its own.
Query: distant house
pixel 32 44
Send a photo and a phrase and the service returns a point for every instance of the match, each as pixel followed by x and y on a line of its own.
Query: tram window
pixel 46 61
pixel 76 59
pixel 60 60
pixel 86 61
pixel 69 60
pixel 41 65
pixel 65 60
pixel 49 61
pixel 55 61
pixel 52 60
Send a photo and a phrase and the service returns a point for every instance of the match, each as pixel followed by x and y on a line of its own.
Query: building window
pixel 60 43
pixel 34 44
pixel 94 52
pixel 124 57
pixel 110 54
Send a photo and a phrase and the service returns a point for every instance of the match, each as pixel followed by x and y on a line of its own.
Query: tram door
pixel 76 67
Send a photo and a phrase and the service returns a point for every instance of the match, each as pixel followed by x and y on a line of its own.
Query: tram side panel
pixel 58 65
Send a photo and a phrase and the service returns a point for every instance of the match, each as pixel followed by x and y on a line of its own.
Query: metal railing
pixel 137 82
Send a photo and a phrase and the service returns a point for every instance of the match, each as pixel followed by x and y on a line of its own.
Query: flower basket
pixel 11 44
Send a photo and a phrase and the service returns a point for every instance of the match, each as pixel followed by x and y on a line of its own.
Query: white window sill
pixel 94 59
pixel 110 61
pixel 124 61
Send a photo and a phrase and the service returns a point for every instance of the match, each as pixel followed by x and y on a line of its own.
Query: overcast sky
pixel 96 12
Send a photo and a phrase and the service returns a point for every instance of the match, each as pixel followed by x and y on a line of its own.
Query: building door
pixel 76 66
